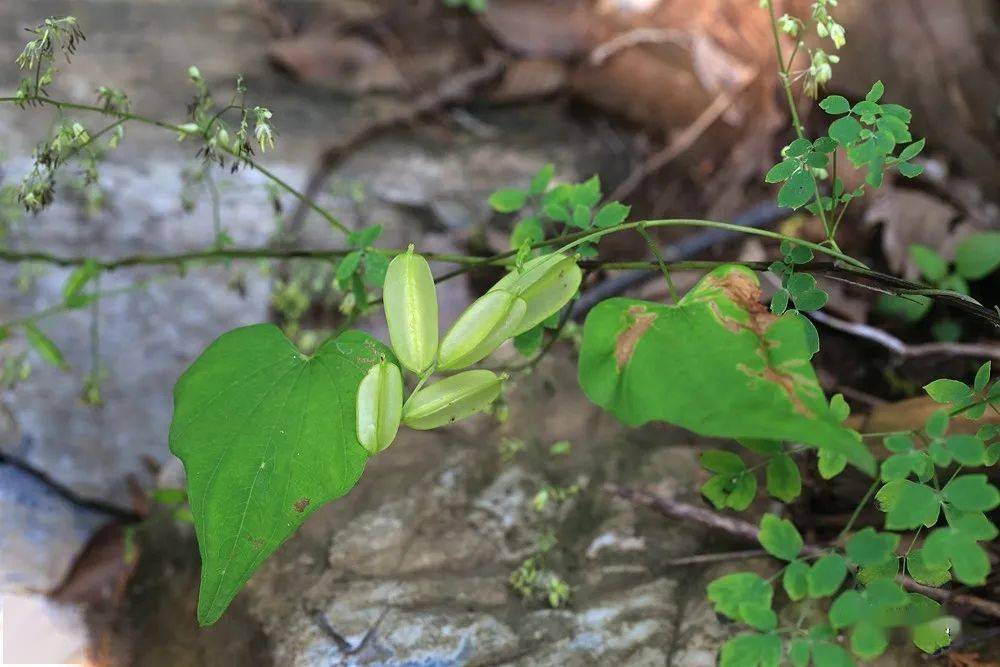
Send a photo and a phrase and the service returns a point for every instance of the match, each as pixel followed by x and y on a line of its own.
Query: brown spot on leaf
pixel 627 340
pixel 786 381
pixel 745 293
pixel 301 504
pixel 256 542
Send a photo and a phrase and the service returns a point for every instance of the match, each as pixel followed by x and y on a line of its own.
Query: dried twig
pixel 636 37
pixel 451 91
pixel 682 141
pixel 746 531
pixel 903 349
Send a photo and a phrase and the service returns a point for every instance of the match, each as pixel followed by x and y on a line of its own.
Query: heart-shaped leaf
pixel 267 436
pixel 718 363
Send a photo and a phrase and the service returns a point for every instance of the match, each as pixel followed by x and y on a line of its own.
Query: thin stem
pixel 857 510
pixel 786 85
pixel 213 194
pixel 129 116
pixel 783 72
pixel 659 259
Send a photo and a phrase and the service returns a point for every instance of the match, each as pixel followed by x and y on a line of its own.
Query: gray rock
pixel 41 533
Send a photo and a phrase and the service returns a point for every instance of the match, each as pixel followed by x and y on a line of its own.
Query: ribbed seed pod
pixel 546 284
pixel 380 406
pixel 484 325
pixel 411 310
pixel 451 399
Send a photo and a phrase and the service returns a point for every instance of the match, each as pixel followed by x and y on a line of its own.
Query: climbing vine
pixel 269 433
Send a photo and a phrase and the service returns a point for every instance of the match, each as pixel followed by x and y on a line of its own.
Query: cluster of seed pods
pixel 520 301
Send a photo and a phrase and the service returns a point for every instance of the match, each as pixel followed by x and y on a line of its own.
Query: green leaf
pixel 542 179
pixel 948 391
pixel 935 635
pixel 730 591
pixel 79 279
pixel 798 653
pixel 870 547
pixel 885 570
pixel 895 128
pixel 907 505
pixel 781 171
pixel 826 654
pixel 831 464
pixel 795 580
pixel 529 230
pixel 779 537
pixel 876 92
pixel 800 282
pixel 912 151
pixel 798 148
pixel 717 347
pixel 932 265
pixel 847 609
pixel 982 376
pixel 581 216
pixel 530 341
pixel 910 308
pixel 751 650
pixel 726 463
pixel 868 640
pixel 839 407
pixel 811 300
pixel 734 491
pixel 267 435
pixel 978 255
pixel 826 575
pixel 845 130
pixel 797 190
pixel 758 617
pixel 971 493
pixel 966 449
pixel 588 193
pixel 974 524
pixel 348 266
pixel 936 425
pixel 783 479
pixel 867 110
pixel 611 214
pixel 508 200
pixel 376 265
pixel 968 560
pixel 835 104
pixel 44 346
pixel 779 302
pixel 365 237
pixel 909 170
pixel 929 574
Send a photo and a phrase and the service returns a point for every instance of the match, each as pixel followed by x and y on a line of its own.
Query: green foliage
pixel 547 208
pixel 716 345
pixel 780 538
pixel 978 255
pixel 267 436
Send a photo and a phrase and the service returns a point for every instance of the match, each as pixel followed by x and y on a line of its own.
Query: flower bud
pixel 380 406
pixel 484 325
pixel 451 399
pixel 546 284
pixel 411 310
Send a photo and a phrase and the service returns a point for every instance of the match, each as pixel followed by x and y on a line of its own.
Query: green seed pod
pixel 451 399
pixel 411 310
pixel 546 284
pixel 380 406
pixel 484 325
